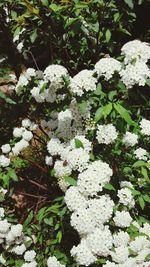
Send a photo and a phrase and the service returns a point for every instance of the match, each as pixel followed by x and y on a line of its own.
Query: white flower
pixel 140 242
pixel 2 260
pixel 49 160
pixel 19 146
pixel 100 241
pixel 77 159
pixel 145 127
pixel 30 72
pixel 63 184
pixel 54 74
pixel 91 181
pixel 26 123
pixel 23 81
pixel 17 132
pixel 122 219
pixel 83 82
pixel 107 67
pixel 62 169
pixel 145 229
pixel 140 153
pixel 29 255
pixel 120 255
pixel 27 135
pixel 106 134
pixel 4 161
pixel 53 262
pixel 2 212
pixel 16 230
pixel 83 254
pixel 5 148
pixel 4 226
pixel 135 74
pixel 74 199
pixel 125 197
pixel 30 264
pixel 20 46
pixel 19 250
pixel 130 139
pixel 136 50
pixel 121 239
pixel 87 145
pixel 54 147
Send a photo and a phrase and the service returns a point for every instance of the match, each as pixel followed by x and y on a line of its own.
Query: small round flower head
pixel 17 132
pixel 30 264
pixel 29 255
pixel 145 229
pixel 125 197
pixel 16 230
pixel 54 147
pixel 4 226
pixel 121 239
pixel 100 241
pixel 83 221
pixel 120 255
pixel 62 169
pixel 110 264
pixel 78 159
pixel 136 50
pixel 101 209
pixel 83 82
pixel 83 254
pixel 122 219
pixel 140 242
pixel 87 145
pixel 19 250
pixel 5 148
pixel 145 127
pixel 2 260
pixel 91 181
pixel 23 81
pixel 107 67
pixel 74 200
pixel 54 74
pixel 140 154
pixel 30 72
pixel 130 139
pixel 53 262
pixel 126 184
pixel 4 161
pixel 2 212
pixel 135 74
pixel 27 135
pixel 106 134
pixel 26 123
pixel 63 185
pixel 49 160
pixel 19 146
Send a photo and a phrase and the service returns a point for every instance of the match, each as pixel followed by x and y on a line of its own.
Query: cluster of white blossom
pixel 83 81
pixel 145 127
pixel 53 262
pixel 141 154
pixel 106 134
pixel 130 139
pixel 107 67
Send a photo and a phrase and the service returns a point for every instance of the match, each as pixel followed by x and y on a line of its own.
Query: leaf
pixel 45 3
pixel 109 186
pixel 141 202
pixel 99 114
pixel 70 180
pixel 146 198
pixel 29 219
pixel 40 214
pixel 116 16
pixel 33 36
pixel 98 90
pixel 55 7
pixel 108 35
pixel 59 236
pixel 70 21
pixel 148 82
pixel 78 143
pixel 124 113
pixel 139 163
pixel 107 110
pixel 6 98
pixel 31 8
pixel 12 174
pixel 83 107
pixel 129 3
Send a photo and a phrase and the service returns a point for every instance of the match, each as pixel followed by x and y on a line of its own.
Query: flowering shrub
pixel 85 141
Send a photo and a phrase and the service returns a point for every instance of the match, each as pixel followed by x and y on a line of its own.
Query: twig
pixel 39 185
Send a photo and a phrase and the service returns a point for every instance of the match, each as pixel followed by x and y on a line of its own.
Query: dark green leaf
pixel 70 180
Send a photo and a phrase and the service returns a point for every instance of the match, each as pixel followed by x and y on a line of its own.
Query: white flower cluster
pixel 53 262
pixel 141 153
pixel 126 197
pixel 145 127
pixel 107 67
pixel 130 139
pixel 106 134
pixel 83 81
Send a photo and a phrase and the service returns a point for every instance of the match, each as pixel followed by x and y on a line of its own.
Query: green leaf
pixel 40 215
pixel 148 82
pixel 70 21
pixel 45 3
pixel 108 35
pixel 29 219
pixel 139 163
pixel 129 3
pixel 99 114
pixel 83 107
pixel 12 174
pixel 98 90
pixel 70 180
pixel 6 98
pixel 116 16
pixel 33 36
pixel 107 110
pixel 124 113
pixel 55 7
pixel 146 198
pixel 78 143
pixel 141 202
pixel 109 186
pixel 59 236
